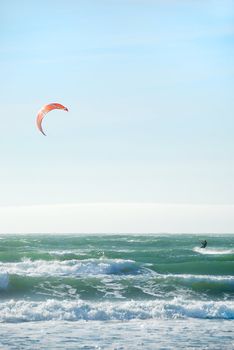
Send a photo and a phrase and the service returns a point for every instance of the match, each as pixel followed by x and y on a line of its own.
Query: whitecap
pixel 213 251
pixel 73 267
pixel 199 278
pixel 23 310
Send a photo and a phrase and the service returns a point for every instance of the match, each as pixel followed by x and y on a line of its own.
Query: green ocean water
pixel 71 277
pixel 116 292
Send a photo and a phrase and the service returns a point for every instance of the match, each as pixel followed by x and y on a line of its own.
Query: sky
pixel 149 88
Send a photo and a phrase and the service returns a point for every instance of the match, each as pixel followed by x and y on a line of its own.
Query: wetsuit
pixel 204 244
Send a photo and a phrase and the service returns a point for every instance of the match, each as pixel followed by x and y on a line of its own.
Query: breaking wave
pixel 25 311
pixel 71 267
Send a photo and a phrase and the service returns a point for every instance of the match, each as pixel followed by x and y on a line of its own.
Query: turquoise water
pixel 140 280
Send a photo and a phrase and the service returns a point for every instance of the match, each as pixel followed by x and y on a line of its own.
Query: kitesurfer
pixel 203 244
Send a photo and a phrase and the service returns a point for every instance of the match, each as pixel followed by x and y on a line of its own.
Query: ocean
pixel 116 292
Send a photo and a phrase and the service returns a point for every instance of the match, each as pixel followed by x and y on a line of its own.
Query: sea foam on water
pixel 22 310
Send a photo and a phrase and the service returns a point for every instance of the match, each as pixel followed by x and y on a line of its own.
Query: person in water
pixel 203 244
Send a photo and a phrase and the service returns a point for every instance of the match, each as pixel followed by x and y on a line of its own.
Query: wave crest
pixel 71 267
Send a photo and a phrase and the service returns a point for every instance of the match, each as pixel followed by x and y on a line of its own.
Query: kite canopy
pixel 44 110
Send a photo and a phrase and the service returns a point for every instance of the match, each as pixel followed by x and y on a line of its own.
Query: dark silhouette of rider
pixel 203 244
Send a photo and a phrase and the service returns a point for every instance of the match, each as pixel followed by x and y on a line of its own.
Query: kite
pixel 44 110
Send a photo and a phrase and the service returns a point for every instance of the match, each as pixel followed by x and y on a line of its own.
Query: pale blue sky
pixel 149 86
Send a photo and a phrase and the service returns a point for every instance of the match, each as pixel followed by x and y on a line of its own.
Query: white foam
pixel 73 267
pixel 199 278
pixel 213 251
pixel 66 252
pixel 18 311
